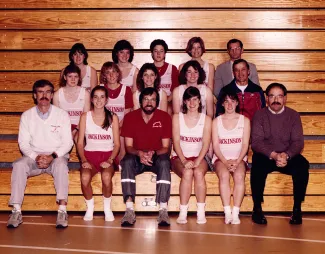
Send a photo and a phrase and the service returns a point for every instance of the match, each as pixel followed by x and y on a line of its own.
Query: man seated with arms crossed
pixel 277 141
pixel 147 132
pixel 45 140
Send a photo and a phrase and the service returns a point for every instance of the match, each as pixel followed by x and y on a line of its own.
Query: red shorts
pixel 73 126
pixel 189 158
pixel 97 157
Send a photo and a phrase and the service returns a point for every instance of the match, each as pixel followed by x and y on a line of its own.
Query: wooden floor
pixel 38 235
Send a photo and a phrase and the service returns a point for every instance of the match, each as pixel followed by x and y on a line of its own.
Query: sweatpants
pixel 131 167
pixel 297 167
pixel 25 167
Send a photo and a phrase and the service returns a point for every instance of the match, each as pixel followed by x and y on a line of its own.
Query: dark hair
pixel 140 82
pixel 196 65
pixel 270 86
pixel 71 68
pixel 149 91
pixel 121 45
pixel 191 42
pixel 42 83
pixel 240 61
pixel 158 42
pixel 233 96
pixel 105 67
pixel 189 93
pixel 234 41
pixel 108 114
pixel 78 47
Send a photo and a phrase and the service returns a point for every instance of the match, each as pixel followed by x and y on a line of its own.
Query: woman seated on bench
pixel 191 139
pixel 230 137
pixel 100 128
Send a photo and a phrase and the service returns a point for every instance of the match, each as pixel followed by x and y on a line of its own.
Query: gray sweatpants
pixel 25 167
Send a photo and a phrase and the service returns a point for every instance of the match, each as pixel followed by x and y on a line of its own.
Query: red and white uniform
pixel 128 80
pixel 117 105
pixel 191 138
pixel 137 93
pixel 86 79
pixel 203 92
pixel 166 80
pixel 74 109
pixel 206 69
pixel 230 141
pixel 97 138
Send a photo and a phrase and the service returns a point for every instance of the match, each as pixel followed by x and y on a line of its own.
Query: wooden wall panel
pixel 270 61
pixel 176 39
pixel 163 19
pixel 66 4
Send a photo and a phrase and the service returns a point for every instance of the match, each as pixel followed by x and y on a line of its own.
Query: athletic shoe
pixel 109 216
pixel 182 217
pixel 163 219
pixel 235 219
pixel 128 218
pixel 258 217
pixel 89 216
pixel 228 218
pixel 15 219
pixel 201 218
pixel 296 217
pixel 62 219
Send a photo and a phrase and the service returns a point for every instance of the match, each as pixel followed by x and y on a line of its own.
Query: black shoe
pixel 258 217
pixel 296 217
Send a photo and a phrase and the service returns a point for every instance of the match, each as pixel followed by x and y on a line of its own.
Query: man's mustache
pixel 44 98
pixel 276 103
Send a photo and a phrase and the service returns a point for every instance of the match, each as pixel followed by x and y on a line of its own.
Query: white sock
pixel 90 209
pixel 63 208
pixel 107 203
pixel 162 205
pixel 17 207
pixel 130 205
pixel 183 207
pixel 227 209
pixel 235 210
pixel 200 207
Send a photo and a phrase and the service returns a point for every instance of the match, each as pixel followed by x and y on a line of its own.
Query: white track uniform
pixel 166 80
pixel 74 109
pixel 128 81
pixel 86 79
pixel 97 138
pixel 206 69
pixel 117 105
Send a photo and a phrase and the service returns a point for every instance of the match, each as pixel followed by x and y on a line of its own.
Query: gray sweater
pixel 277 132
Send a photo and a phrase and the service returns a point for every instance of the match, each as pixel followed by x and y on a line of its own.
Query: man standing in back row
pixel 277 141
pixel 224 74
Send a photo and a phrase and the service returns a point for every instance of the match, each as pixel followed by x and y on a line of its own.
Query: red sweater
pixel 277 132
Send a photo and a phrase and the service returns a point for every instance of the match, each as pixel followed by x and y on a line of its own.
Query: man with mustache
pixel 251 96
pixel 147 132
pixel 45 141
pixel 277 141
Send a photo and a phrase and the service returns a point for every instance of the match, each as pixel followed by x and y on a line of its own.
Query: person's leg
pixel 239 190
pixel 86 176
pixel 224 188
pixel 107 187
pixel 200 189
pixel 298 168
pixel 185 188
pixel 22 169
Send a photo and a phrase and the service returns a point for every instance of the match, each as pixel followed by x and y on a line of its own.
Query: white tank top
pixel 75 108
pixel 86 79
pixel 203 93
pixel 191 138
pixel 166 80
pixel 137 94
pixel 128 81
pixel 206 69
pixel 230 141
pixel 97 138
pixel 117 105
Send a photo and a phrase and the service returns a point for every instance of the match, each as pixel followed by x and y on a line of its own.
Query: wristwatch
pixel 54 155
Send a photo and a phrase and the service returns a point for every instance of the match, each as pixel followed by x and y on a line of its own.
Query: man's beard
pixel 148 110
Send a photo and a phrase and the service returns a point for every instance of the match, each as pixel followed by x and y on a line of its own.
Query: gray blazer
pixel 223 76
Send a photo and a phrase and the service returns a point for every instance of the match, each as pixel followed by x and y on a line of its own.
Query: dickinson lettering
pixel 99 136
pixel 75 113
pixel 230 140
pixel 115 109
pixel 191 139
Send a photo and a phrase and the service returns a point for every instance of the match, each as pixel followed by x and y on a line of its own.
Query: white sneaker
pixel 201 218
pixel 109 216
pixel 235 219
pixel 182 217
pixel 89 215
pixel 228 218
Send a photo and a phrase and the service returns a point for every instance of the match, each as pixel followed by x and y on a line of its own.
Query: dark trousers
pixel 131 166
pixel 297 167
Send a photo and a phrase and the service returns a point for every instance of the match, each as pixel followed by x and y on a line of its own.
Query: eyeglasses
pixel 48 92
pixel 149 100
pixel 235 49
pixel 280 96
